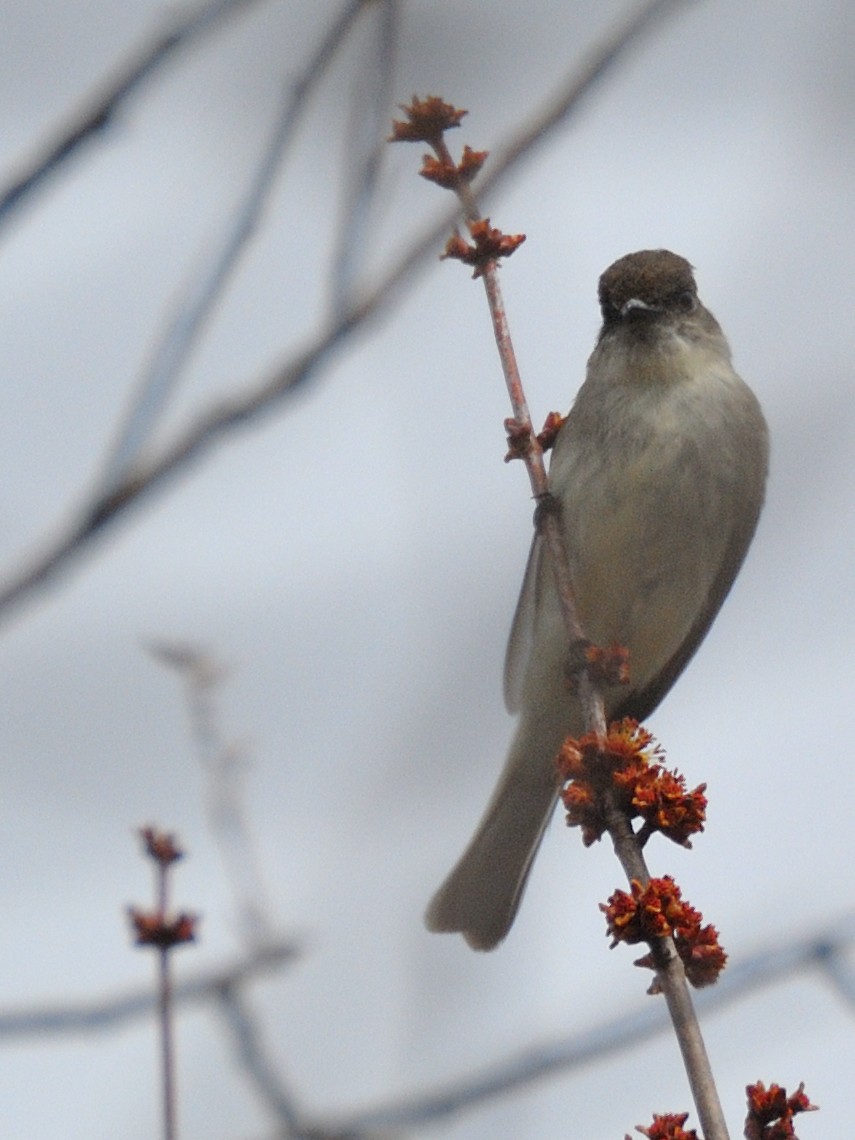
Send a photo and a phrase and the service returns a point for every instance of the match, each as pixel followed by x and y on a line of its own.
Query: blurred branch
pixel 194 309
pixel 626 1031
pixel 105 1013
pixel 366 144
pixel 252 1056
pixel 223 765
pixel 839 973
pixel 99 111
pixel 256 400
pixel 821 952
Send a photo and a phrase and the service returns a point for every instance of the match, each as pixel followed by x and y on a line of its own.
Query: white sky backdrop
pixel 356 558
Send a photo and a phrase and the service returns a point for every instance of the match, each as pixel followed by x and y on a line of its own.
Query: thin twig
pixel 597 65
pixel 532 454
pixel 837 972
pixel 621 1034
pixel 669 968
pixel 366 147
pixel 160 930
pixel 95 1015
pixel 166 1007
pixel 196 306
pixel 223 764
pixel 259 399
pixel 167 1050
pixel 252 1056
pixel 759 971
pixel 100 110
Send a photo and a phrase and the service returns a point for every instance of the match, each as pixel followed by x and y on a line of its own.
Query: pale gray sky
pixel 356 558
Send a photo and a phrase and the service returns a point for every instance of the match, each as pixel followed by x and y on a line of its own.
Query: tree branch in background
pixel 369 115
pixel 248 405
pixel 100 110
pixel 97 1014
pixel 224 766
pixel 252 1055
pixel 826 952
pixel 194 309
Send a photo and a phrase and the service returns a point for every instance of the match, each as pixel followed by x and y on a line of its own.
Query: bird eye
pixel 686 301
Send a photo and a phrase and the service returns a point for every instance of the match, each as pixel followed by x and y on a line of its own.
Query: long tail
pixel 481 895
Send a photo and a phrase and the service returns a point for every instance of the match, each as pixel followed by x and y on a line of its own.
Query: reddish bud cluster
pixel 487 247
pixel 450 175
pixel 160 846
pixel 427 120
pixel 770 1116
pixel 607 665
pixel 154 929
pixel 657 911
pixel 626 766
pixel 771 1111
pixel 668 1127
pixel 551 427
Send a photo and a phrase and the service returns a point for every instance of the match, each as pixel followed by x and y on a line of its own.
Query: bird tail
pixel 481 895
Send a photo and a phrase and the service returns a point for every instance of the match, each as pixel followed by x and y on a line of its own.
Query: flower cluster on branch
pixel 610 778
pixel 156 927
pixel 771 1111
pixel 658 910
pixel 450 175
pixel 628 765
pixel 668 1127
pixel 488 245
pixel 427 120
pixel 153 928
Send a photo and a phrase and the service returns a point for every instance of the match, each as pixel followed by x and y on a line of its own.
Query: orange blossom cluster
pixel 648 913
pixel 628 765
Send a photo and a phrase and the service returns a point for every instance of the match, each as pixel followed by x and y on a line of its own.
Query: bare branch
pixel 366 144
pixel 596 66
pixel 252 1056
pixel 628 1030
pixel 224 765
pixel 837 971
pixel 118 1009
pixel 100 110
pixel 194 309
pixel 759 971
pixel 525 444
pixel 262 398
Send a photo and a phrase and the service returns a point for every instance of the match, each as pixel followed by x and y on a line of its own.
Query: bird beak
pixel 636 303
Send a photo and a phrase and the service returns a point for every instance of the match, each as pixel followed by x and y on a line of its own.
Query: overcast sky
pixel 355 558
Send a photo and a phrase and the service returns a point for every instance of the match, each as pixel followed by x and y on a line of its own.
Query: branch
pixel 365 134
pixel 759 971
pixel 427 122
pixel 195 307
pixel 99 111
pixel 252 1056
pixel 248 406
pixel 224 765
pixel 104 1013
pixel 622 1033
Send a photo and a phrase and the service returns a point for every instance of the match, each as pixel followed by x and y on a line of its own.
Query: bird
pixel 658 474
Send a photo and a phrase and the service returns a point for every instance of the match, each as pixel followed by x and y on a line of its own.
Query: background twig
pixel 262 397
pixel 100 111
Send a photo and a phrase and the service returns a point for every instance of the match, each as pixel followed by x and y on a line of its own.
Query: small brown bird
pixel 659 472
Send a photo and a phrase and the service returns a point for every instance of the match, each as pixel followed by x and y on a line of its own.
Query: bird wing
pixel 640 703
pixel 521 637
